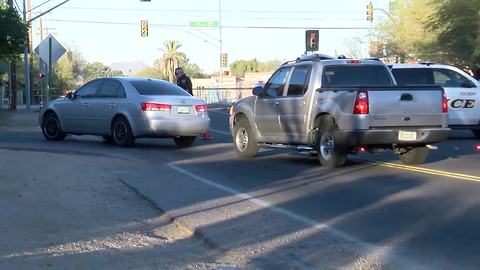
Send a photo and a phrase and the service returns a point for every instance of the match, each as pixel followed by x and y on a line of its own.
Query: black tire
pixel 331 149
pixel 51 128
pixel 417 155
pixel 122 132
pixel 107 138
pixel 476 132
pixel 244 141
pixel 184 141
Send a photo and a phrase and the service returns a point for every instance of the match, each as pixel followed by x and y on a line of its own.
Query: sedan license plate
pixel 407 135
pixel 183 110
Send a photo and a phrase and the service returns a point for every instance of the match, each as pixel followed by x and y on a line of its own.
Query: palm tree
pixel 171 59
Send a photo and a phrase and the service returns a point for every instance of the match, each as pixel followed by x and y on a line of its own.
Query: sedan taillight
pixel 156 107
pixel 201 108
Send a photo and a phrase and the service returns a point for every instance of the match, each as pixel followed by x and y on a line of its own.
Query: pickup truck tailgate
pixel 406 107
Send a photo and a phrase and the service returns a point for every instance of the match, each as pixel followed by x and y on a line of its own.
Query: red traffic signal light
pixel 311 40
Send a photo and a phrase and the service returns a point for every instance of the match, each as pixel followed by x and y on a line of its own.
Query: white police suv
pixel 462 90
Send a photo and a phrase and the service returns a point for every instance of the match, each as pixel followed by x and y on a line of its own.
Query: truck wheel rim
pixel 120 131
pixel 242 139
pixel 51 127
pixel 327 146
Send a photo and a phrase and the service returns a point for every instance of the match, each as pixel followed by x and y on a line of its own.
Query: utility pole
pixel 220 35
pixel 26 66
pixel 12 78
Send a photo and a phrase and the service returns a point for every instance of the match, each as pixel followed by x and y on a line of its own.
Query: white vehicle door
pixel 463 96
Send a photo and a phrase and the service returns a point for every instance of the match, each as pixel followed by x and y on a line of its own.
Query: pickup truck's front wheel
pixel 417 155
pixel 331 152
pixel 245 143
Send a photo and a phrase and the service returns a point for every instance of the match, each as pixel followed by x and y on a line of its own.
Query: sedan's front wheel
pixel 51 128
pixel 122 132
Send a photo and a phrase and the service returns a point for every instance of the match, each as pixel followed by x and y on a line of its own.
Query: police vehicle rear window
pixel 353 75
pixel 157 88
pixel 413 76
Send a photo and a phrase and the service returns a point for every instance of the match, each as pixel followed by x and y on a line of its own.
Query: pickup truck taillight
pixel 444 102
pixel 361 103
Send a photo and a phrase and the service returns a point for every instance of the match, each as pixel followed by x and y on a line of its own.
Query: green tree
pixel 13 32
pixel 403 35
pixel 194 71
pixel 69 70
pixel 96 69
pixel 457 24
pixel 171 59
pixel 239 67
pixel 151 72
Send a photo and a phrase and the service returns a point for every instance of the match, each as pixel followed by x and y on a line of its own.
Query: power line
pixel 223 26
pixel 210 10
pixel 40 5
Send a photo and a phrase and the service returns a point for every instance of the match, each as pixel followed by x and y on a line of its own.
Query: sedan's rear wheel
pixel 184 141
pixel 51 128
pixel 122 132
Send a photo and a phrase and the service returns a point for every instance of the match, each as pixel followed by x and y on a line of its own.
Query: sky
pixel 108 31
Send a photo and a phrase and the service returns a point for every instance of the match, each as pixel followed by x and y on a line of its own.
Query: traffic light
pixel 370 12
pixel 224 60
pixel 144 28
pixel 311 40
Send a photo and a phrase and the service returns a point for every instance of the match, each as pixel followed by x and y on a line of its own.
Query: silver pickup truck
pixel 336 107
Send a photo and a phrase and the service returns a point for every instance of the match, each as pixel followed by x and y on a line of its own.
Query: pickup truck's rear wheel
pixel 245 143
pixel 331 150
pixel 417 155
pixel 476 132
pixel 184 141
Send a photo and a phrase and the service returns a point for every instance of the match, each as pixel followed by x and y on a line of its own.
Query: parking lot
pixel 281 210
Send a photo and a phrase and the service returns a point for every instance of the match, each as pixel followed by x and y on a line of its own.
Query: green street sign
pixel 204 24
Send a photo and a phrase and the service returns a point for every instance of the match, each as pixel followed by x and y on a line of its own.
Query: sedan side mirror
pixel 257 90
pixel 70 95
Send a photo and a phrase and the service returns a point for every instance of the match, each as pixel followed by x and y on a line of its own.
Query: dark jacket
pixel 185 83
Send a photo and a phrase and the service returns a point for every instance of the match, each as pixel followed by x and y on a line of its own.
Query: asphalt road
pixel 282 210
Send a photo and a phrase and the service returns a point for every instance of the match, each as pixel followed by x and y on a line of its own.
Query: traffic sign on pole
pixel 205 24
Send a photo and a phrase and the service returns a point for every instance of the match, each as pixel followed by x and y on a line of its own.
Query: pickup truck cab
pixel 336 107
pixel 462 91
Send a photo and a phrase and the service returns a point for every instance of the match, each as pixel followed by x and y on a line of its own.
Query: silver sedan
pixel 121 109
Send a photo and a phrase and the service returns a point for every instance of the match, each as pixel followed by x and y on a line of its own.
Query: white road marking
pixel 375 251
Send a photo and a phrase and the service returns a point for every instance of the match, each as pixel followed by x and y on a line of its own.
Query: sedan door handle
pixel 85 105
pixel 277 103
pixel 111 105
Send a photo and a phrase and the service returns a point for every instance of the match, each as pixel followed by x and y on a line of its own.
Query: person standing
pixel 183 80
